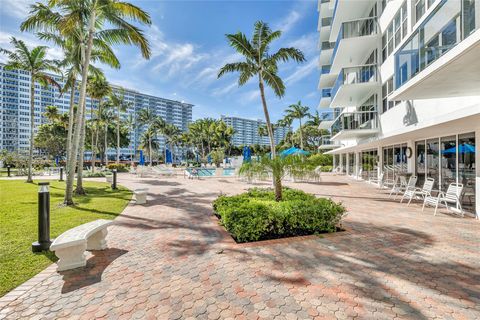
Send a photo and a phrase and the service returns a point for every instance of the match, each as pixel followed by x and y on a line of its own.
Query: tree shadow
pixel 92 273
pixel 160 183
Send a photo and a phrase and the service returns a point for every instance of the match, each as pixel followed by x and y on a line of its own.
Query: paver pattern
pixel 169 259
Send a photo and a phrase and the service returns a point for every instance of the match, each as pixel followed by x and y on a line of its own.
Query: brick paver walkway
pixel 169 259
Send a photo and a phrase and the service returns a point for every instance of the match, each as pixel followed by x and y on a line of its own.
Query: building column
pixel 357 164
pixel 334 156
pixel 477 173
pixel 347 163
pixel 411 161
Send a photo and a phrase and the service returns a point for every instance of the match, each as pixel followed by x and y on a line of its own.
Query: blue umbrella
pixel 168 156
pixel 142 159
pixel 247 154
pixel 294 151
pixel 463 148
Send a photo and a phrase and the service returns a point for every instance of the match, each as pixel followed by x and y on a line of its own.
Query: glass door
pixel 420 160
pixel 433 161
pixel 448 163
pixel 466 169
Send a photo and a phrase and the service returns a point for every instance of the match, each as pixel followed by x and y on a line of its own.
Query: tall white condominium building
pixel 405 76
pixel 246 131
pixel 15 109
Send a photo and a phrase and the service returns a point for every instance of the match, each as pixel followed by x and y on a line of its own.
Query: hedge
pixel 255 215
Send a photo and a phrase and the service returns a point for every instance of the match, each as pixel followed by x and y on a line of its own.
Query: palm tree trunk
pixel 150 149
pixel 94 154
pixel 118 135
pixel 71 120
pixel 32 122
pixel 301 133
pixel 81 154
pixel 83 89
pixel 106 145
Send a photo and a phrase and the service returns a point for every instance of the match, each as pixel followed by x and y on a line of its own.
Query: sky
pixel 189 47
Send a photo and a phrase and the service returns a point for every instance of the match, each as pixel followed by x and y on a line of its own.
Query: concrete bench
pixel 70 246
pixel 140 195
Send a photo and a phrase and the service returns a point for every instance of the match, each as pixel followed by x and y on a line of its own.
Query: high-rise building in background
pixel 15 109
pixel 246 131
pixel 403 79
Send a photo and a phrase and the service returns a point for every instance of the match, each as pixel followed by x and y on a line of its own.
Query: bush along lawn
pixel 18 223
pixel 255 215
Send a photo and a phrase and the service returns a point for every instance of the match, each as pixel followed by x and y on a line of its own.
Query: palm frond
pixel 274 82
pixel 286 54
pixel 240 43
pixel 243 67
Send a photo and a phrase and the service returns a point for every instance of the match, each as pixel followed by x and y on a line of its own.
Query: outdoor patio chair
pixel 452 196
pixel 403 185
pixel 376 180
pixel 418 193
pixel 359 174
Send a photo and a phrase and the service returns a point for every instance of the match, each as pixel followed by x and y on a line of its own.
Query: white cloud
pixel 224 90
pixel 306 43
pixel 302 72
pixel 30 41
pixel 16 8
pixel 288 22
pixel 251 95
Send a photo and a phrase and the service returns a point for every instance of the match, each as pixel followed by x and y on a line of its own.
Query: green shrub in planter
pixel 120 167
pixel 93 174
pixel 255 215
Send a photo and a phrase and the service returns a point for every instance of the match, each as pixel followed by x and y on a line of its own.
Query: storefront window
pixel 433 161
pixel 466 169
pixel 420 162
pixel 449 161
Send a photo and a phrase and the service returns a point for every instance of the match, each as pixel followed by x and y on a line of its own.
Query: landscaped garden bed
pixel 255 215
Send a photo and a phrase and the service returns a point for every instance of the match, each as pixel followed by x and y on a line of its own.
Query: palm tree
pixel 106 116
pixel 117 100
pixel 51 113
pixel 34 62
pixel 97 88
pixel 148 142
pixel 146 117
pixel 131 123
pixel 93 19
pixel 172 137
pixel 259 62
pixel 297 111
pixel 286 122
pixel 315 120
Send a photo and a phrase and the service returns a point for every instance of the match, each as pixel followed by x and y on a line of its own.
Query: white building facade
pixel 404 78
pixel 15 110
pixel 246 131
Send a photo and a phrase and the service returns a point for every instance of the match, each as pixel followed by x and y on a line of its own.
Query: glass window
pixel 420 162
pixel 449 161
pixel 433 161
pixel 466 169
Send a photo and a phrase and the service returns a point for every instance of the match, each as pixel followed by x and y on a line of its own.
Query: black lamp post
pixel 61 174
pixel 8 171
pixel 114 181
pixel 43 242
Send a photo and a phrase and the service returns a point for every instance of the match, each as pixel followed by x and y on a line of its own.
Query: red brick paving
pixel 169 259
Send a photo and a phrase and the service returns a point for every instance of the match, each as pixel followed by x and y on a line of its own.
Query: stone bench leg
pixel 97 240
pixel 141 198
pixel 71 257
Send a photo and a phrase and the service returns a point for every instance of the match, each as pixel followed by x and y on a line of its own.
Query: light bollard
pixel 43 242
pixel 114 181
pixel 61 174
pixel 8 171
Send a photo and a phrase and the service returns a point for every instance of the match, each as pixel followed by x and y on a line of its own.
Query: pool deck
pixel 169 259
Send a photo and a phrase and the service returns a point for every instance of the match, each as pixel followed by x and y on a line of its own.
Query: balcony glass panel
pixel 326 45
pixel 449 24
pixel 354 29
pixel 326 21
pixel 358 120
pixel 360 74
pixel 326 93
pixel 325 69
pixel 325 141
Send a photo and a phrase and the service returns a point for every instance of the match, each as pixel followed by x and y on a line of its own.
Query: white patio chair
pixel 359 174
pixel 418 193
pixel 404 185
pixel 452 196
pixel 378 180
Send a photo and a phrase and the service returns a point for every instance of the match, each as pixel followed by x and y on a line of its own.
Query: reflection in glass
pixel 420 162
pixel 449 161
pixel 466 169
pixel 432 161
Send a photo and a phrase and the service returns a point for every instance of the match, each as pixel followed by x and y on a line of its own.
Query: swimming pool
pixel 210 172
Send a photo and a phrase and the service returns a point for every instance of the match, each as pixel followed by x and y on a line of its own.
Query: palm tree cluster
pixel 206 135
pixel 85 30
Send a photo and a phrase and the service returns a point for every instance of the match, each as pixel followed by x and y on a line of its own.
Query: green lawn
pixel 18 223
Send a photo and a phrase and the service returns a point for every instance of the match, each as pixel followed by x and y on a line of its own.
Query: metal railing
pixel 326 45
pixel 353 75
pixel 354 29
pixel 356 120
pixel 326 93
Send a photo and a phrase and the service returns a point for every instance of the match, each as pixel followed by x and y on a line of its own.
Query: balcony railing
pixel 354 29
pixel 326 45
pixel 325 141
pixel 357 120
pixel 450 23
pixel 353 75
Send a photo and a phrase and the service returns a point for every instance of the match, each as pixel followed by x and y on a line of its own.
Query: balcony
pixel 326 143
pixel 354 85
pixel 324 27
pixel 325 98
pixel 355 124
pixel 347 10
pixel 354 42
pixel 440 59
pixel 326 49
